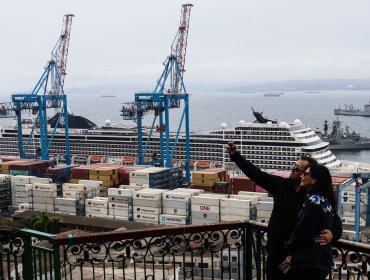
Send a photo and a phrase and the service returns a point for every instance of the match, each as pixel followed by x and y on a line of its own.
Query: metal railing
pixel 232 250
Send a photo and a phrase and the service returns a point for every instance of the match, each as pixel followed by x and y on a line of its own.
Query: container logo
pixel 204 208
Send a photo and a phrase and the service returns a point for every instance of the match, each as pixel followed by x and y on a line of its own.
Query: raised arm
pixel 267 181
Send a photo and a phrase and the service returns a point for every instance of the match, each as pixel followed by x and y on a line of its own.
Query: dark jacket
pixel 287 205
pixel 315 216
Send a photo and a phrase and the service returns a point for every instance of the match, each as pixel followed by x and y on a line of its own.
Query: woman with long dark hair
pixel 310 260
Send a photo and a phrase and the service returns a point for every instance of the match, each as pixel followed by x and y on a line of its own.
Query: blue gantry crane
pixel 168 94
pixel 362 183
pixel 48 93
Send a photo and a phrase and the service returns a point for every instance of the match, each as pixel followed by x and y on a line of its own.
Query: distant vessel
pixel 108 95
pixel 313 91
pixel 350 111
pixel 343 139
pixel 272 94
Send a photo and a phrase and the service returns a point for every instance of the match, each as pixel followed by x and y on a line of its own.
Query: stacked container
pixel 43 197
pixel 348 200
pixel 232 209
pixel 205 208
pixel 5 193
pixel 206 179
pixel 264 210
pixel 147 205
pixel 120 203
pixel 176 206
pixel 97 207
pixel 107 174
pixel 21 192
pixel 242 183
pixel 70 206
pixel 156 177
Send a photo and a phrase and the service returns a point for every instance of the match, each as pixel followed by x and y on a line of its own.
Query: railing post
pixel 258 253
pixel 56 260
pixel 249 252
pixel 27 258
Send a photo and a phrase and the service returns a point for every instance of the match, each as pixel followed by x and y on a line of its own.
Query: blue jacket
pixel 316 215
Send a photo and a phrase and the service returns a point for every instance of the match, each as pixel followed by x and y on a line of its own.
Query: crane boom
pixel 179 50
pixel 60 51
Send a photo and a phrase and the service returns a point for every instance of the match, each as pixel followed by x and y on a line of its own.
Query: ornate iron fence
pixel 234 250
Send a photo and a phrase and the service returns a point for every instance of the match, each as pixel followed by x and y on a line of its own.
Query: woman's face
pixel 307 181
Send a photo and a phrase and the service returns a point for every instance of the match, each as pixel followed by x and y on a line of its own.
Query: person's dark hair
pixel 324 184
pixel 310 160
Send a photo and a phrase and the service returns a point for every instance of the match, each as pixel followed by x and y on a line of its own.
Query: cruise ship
pixel 271 146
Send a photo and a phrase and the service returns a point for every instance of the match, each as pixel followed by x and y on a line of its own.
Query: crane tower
pixel 48 93
pixel 168 93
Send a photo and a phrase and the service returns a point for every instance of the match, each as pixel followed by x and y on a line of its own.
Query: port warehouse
pixel 84 196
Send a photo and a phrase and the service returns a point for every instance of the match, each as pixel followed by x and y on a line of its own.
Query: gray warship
pixel 350 111
pixel 342 138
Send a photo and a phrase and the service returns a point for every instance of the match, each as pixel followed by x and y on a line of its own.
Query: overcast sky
pixel 231 42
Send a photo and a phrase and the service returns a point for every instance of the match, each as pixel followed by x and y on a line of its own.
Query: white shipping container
pixel 65 213
pixel 202 221
pixel 96 202
pixel 229 218
pixel 175 204
pixel 21 179
pixel 137 187
pixel 235 211
pixel 173 219
pixel 140 181
pixel 95 184
pixel 235 203
pixel 69 201
pixel 96 210
pixel 119 205
pixel 183 197
pixel 36 180
pixel 39 193
pixel 38 199
pixel 262 220
pixel 97 215
pixel 205 200
pixel 186 190
pixel 70 194
pixel 351 221
pixel 24 206
pixel 347 206
pixel 77 187
pixel 23 192
pixel 121 218
pixel 44 187
pixel 119 212
pixel 259 194
pixel 146 173
pixel 148 195
pixel 146 217
pixel 121 192
pixel 43 207
pixel 251 198
pixel 176 211
pixel 147 203
pixel 205 208
pixel 132 187
pixel 119 199
pixel 263 214
pixel 69 209
pixel 207 216
pixel 147 210
pixel 215 195
pixel 265 205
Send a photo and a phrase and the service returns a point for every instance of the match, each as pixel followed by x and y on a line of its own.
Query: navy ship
pixel 349 110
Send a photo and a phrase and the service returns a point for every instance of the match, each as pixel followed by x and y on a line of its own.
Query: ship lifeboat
pixel 96 158
pixel 191 163
pixel 204 164
pixel 128 160
pixel 146 159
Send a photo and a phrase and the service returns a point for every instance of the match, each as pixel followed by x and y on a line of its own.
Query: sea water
pixel 208 110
